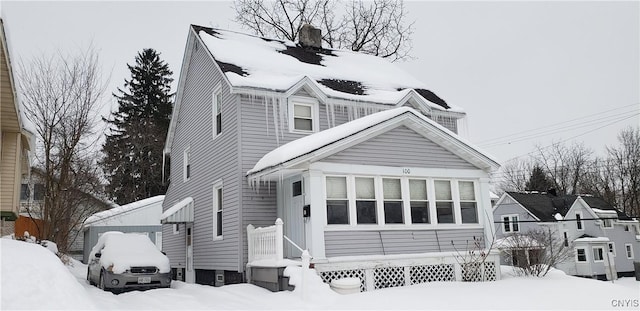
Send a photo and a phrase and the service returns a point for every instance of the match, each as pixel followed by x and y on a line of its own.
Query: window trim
pixel 474 201
pixel 186 164
pixel 586 257
pixel 579 222
pixel 593 250
pixel 511 222
pixel 217 210
pixel 628 249
pixel 175 228
pixel 217 90
pixel 315 113
pixel 452 192
pixel 347 199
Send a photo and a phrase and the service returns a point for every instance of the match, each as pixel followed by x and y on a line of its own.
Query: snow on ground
pixel 33 278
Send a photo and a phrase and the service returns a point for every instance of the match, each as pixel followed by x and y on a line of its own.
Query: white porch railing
pixel 265 243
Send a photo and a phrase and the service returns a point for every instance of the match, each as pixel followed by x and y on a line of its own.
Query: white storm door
pixel 294 223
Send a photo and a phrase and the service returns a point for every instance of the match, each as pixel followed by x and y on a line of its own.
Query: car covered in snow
pixel 123 261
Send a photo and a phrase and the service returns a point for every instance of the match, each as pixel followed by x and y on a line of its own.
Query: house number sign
pixel 406 171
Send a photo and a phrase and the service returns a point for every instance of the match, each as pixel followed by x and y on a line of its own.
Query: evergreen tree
pixel 133 149
pixel 538 181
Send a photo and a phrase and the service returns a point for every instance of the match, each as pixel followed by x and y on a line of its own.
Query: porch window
pixel 337 202
pixel 629 250
pixel 598 254
pixel 365 201
pixel 444 202
pixel 579 222
pixel 419 202
pixel 392 194
pixel 468 207
pixel 581 255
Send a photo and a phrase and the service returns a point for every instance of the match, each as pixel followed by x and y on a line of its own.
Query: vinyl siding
pixel 401 147
pixel 511 207
pixel 211 160
pixel 9 172
pixel 354 243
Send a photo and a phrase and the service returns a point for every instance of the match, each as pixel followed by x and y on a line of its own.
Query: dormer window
pixel 303 115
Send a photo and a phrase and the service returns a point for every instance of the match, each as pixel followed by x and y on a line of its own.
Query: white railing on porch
pixel 265 243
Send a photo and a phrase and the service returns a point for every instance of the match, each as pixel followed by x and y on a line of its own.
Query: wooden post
pixel 250 229
pixel 306 258
pixel 279 240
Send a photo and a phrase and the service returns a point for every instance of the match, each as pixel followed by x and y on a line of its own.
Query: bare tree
pixel 61 95
pixel 515 175
pixel 626 160
pixel 376 27
pixel 565 165
pixel 534 252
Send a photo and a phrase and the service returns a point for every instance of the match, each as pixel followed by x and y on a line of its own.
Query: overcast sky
pixel 526 73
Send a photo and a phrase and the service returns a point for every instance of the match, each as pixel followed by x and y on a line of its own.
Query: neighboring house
pixel 359 159
pixel 141 216
pixel 15 142
pixel 587 224
pixel 29 220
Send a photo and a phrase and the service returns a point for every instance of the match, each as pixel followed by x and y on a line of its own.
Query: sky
pixel 527 73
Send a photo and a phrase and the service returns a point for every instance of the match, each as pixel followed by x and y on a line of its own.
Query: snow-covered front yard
pixel 33 278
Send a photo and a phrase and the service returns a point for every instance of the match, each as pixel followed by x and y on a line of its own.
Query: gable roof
pixel 322 144
pixel 545 205
pixel 277 65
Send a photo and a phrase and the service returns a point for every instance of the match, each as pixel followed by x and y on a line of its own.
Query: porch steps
pixel 271 278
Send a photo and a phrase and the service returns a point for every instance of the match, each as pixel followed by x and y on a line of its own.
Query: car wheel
pixel 89 276
pixel 101 284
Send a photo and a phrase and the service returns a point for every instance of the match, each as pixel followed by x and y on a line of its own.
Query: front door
pixel 190 273
pixel 294 222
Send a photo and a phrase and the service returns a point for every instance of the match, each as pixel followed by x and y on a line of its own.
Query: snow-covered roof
pixel 518 241
pixel 262 63
pixel 315 142
pixel 116 211
pixel 601 211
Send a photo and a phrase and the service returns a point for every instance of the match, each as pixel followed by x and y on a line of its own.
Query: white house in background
pixel 587 224
pixel 141 216
pixel 361 162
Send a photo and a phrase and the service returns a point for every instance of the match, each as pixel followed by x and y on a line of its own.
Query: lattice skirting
pixel 394 276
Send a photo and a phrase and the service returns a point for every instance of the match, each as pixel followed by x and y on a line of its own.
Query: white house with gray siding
pixel 360 161
pixel 587 224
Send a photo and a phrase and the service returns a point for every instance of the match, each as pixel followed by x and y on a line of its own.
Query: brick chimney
pixel 310 36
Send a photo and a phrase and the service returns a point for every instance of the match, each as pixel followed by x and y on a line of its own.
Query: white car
pixel 122 261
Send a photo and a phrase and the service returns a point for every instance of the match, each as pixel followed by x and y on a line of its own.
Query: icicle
pixel 276 127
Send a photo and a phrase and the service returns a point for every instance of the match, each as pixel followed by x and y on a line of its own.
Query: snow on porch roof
pixel 255 62
pixel 314 142
pixel 180 212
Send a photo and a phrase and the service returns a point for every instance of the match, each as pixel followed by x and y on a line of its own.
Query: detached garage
pixel 141 216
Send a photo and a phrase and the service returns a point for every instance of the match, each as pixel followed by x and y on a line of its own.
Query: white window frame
pixel 214 111
pixel 586 256
pixel 475 201
pixel 218 211
pixel 186 164
pixel 593 250
pixel 581 221
pixel 453 192
pixel 348 199
pixel 175 229
pixel 315 112
pixel 612 248
pixel 628 249
pixel 510 217
pixel 606 221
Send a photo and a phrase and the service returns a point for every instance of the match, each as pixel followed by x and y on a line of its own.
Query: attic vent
pixel 345 86
pixel 310 36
